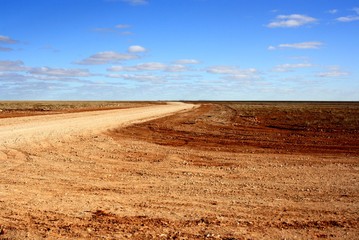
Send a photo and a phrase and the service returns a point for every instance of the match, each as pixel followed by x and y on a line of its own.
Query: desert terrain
pixel 209 170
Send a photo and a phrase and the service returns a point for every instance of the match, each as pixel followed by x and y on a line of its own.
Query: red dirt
pixel 256 128
pixel 221 171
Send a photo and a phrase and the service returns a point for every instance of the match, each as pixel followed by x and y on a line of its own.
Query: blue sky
pixel 179 49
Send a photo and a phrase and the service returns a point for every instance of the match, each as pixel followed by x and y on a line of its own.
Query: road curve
pixel 29 130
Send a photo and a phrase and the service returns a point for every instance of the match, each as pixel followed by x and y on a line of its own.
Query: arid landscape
pixel 193 170
pixel 33 108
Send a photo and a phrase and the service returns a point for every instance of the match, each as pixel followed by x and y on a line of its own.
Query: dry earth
pixel 33 108
pixel 218 171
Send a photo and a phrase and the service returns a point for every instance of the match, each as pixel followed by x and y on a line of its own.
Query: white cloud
pixel 293 20
pixel 104 30
pixel 6 39
pixel 12 77
pixel 176 68
pixel 122 26
pixel 150 66
pixel 228 70
pixel 333 72
pixel 333 11
pixel 290 67
pixel 41 73
pixel 302 45
pixel 222 70
pixel 187 61
pixel 136 2
pixel 18 90
pixel 107 57
pixel 116 29
pixel 5 49
pixel 136 49
pixel 350 18
pixel 60 72
pixel 154 78
pixel 12 66
pixel 138 77
pixel 234 72
pixel 57 78
pixel 271 48
pixel 117 69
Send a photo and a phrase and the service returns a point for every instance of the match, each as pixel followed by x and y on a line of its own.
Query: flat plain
pixel 209 170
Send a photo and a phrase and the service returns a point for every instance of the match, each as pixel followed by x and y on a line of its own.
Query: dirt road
pixel 15 131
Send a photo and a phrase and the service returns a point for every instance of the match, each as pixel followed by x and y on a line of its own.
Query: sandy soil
pixel 219 171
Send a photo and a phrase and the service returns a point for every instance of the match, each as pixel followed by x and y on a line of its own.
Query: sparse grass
pixel 66 105
pixel 30 108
